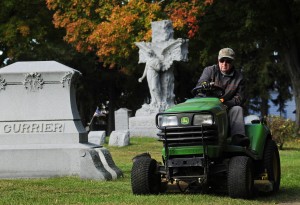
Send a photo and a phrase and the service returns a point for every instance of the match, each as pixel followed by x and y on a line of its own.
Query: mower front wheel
pixel 240 177
pixel 144 177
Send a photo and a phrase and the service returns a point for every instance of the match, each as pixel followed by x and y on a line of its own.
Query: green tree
pixel 285 19
pixel 253 28
pixel 27 34
pixel 265 36
pixel 110 28
pixel 266 43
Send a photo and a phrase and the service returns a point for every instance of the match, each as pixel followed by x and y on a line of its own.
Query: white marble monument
pixel 158 56
pixel 41 134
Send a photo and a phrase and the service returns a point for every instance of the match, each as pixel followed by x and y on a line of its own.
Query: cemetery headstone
pixel 119 138
pixel 97 137
pixel 122 119
pixel 41 134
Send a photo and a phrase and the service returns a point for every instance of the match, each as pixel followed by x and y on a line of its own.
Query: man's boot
pixel 240 140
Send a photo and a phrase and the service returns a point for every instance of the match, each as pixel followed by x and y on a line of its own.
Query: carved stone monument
pixel 158 56
pixel 41 134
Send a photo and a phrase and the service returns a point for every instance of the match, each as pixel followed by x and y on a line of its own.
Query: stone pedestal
pixel 41 134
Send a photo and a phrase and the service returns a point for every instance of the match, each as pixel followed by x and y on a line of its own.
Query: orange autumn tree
pixel 185 15
pixel 109 28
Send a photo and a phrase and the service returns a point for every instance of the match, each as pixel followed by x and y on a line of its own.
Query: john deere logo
pixel 184 120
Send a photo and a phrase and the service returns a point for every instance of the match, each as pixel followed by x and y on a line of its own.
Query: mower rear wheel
pixel 271 164
pixel 144 177
pixel 240 177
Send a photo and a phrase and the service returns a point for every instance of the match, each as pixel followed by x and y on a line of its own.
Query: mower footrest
pixel 263 185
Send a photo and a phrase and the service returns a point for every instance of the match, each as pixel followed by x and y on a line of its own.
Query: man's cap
pixel 226 53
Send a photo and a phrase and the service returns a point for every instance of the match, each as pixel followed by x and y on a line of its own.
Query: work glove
pixel 206 85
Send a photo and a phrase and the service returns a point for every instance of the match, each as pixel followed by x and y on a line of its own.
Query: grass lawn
pixel 73 190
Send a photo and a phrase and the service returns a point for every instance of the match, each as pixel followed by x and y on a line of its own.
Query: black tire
pixel 144 177
pixel 271 163
pixel 240 177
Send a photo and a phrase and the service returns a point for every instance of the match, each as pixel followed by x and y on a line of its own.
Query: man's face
pixel 225 65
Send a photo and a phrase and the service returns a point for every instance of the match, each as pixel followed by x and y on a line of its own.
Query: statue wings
pixel 177 50
pixel 145 51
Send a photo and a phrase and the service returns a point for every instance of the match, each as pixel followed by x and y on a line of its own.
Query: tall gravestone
pixel 122 119
pixel 121 136
pixel 158 57
pixel 41 134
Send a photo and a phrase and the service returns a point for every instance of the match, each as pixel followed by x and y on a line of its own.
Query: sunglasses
pixel 226 60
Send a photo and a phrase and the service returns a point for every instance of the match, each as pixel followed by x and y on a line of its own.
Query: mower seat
pixel 252 119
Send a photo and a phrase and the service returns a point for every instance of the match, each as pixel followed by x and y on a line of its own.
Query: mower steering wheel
pixel 212 91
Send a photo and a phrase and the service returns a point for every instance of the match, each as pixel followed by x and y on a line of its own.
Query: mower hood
pixel 198 104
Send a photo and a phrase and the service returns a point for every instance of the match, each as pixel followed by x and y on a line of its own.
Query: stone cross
pixel 159 56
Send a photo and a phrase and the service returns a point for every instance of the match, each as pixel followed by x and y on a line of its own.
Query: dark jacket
pixel 233 84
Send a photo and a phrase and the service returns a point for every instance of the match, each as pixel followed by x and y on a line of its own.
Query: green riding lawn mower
pixel 197 156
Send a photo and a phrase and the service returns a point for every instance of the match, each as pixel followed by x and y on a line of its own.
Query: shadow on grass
pixel 290 149
pixel 286 194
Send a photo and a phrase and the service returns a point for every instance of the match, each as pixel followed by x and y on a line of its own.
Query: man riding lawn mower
pixel 198 154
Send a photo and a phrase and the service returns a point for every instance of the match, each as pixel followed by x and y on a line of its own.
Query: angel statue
pixel 159 56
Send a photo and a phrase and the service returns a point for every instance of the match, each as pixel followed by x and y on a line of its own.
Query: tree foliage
pixel 265 36
pixel 281 129
pixel 110 28
pixel 27 33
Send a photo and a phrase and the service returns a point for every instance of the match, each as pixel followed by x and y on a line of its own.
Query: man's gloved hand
pixel 206 85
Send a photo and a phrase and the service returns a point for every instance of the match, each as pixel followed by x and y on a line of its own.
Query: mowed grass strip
pixel 73 190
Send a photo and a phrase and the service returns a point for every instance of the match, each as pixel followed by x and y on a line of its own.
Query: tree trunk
pixel 264 107
pixel 293 66
pixel 112 101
